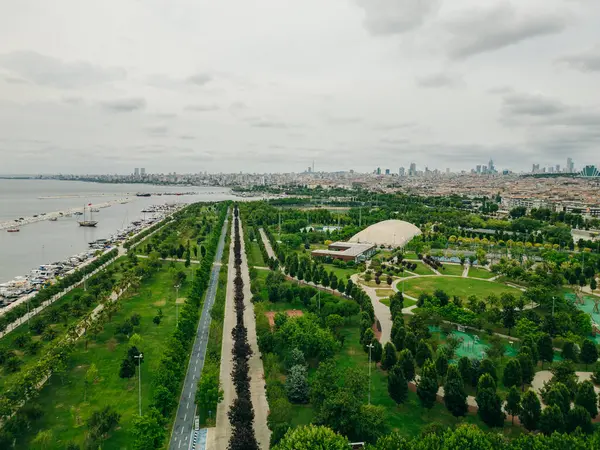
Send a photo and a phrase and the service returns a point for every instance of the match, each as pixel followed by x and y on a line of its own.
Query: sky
pixel 271 85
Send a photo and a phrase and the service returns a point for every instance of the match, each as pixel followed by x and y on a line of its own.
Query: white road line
pixel 179 446
pixel 185 417
pixel 190 395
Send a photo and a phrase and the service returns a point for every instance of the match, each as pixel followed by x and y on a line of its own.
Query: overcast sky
pixel 270 85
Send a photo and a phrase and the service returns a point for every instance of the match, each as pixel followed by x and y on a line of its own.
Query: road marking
pixel 185 417
pixel 190 395
pixel 179 446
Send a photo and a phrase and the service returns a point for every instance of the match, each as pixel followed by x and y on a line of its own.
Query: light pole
pixel 176 305
pixel 370 346
pixel 139 358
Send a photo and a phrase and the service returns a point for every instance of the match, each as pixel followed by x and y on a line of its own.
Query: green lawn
pixel 340 273
pixel 462 287
pixel 384 292
pixel 65 410
pixel 476 272
pixel 410 255
pixel 255 256
pixel 422 269
pixel 452 269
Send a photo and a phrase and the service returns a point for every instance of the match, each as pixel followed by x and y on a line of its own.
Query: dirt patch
pixel 376 331
pixel 160 303
pixel 180 300
pixel 290 312
pixel 112 344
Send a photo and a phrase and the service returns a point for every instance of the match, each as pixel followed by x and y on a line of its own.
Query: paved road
pixel 184 421
pixel 267 243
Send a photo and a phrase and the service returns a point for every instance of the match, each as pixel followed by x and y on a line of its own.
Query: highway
pixel 184 421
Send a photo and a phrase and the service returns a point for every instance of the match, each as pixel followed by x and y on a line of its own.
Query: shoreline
pixel 57 214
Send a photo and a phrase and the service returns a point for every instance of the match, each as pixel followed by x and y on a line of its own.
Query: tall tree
pixel 488 402
pixel 578 417
pixel 587 398
pixel 390 358
pixel 545 349
pixel 589 352
pixel 551 420
pixel 296 384
pixel 512 375
pixel 527 369
pixel 513 403
pixel 423 353
pixel 398 333
pixel 305 438
pixel 427 386
pixel 464 367
pixel 531 409
pixel 455 396
pixel 407 364
pixel 397 385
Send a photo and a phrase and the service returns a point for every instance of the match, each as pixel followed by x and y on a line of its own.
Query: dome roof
pixel 391 233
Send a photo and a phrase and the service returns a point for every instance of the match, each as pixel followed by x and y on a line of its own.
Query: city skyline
pixel 187 87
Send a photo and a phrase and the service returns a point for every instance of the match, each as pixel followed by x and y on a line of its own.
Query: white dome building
pixel 390 233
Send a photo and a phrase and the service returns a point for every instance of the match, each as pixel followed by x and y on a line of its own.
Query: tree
pixel 148 430
pixel 488 402
pixel 512 375
pixel 527 369
pixel 589 352
pixel 398 333
pixel 578 417
pixel 366 339
pixel 43 439
pixel 370 423
pixel 305 438
pixel 376 351
pixel 545 349
pixel 587 398
pixel 294 358
pixel 127 369
pixel 389 358
pixel 464 367
pixel 551 420
pixel 531 410
pixel 410 342
pixel 455 396
pixel 407 364
pixel 209 393
pixel 441 363
pixel 427 386
pixel 487 366
pixel 296 384
pixel 102 422
pixel 569 351
pixel 90 378
pixel 397 385
pixel 423 353
pixel 513 403
pixel 135 340
pixel 497 348
pixel 509 316
pixel 324 383
pixel 163 400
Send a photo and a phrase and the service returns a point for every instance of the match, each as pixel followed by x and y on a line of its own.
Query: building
pixel 387 171
pixel 491 168
pixel 589 171
pixel 389 233
pixel 570 166
pixel 478 168
pixel 136 172
pixel 143 171
pixel 346 251
pixel 378 171
pixel 401 171
pixel 413 170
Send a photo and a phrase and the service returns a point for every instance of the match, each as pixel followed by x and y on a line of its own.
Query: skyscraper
pixel 491 168
pixel 413 170
pixel 136 172
pixel 143 171
pixel 478 168
pixel 387 171
pixel 570 166
pixel 401 171
pixel 378 171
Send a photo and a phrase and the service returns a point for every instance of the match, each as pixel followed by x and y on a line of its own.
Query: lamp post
pixel 139 358
pixel 370 346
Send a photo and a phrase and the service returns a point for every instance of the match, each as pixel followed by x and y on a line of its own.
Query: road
pixel 184 421
pixel 267 243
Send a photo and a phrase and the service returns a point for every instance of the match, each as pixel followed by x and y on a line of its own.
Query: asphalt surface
pixel 184 421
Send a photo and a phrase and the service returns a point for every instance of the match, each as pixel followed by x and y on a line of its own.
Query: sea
pixel 47 242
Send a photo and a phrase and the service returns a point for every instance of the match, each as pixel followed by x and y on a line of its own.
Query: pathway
pixel 218 438
pixel 183 426
pixel 465 273
pixel 267 243
pixel 382 312
pixel 192 261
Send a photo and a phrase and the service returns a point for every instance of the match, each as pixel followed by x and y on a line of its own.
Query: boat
pixel 53 219
pixel 142 194
pixel 87 223
pixel 94 210
pixel 13 230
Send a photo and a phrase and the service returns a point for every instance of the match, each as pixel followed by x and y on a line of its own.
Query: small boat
pixel 13 230
pixel 53 219
pixel 87 223
pixel 94 210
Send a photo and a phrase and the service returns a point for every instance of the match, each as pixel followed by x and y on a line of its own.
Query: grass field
pixel 476 272
pixel 255 256
pixel 66 411
pixel 384 292
pixel 340 273
pixel 452 269
pixel 422 269
pixel 462 287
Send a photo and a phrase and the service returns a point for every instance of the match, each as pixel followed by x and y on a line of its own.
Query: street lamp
pixel 176 305
pixel 370 346
pixel 139 358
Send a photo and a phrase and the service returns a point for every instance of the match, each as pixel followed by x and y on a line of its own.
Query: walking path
pixel 267 243
pixel 465 273
pixel 382 312
pixel 218 438
pixel 192 261
pixel 183 426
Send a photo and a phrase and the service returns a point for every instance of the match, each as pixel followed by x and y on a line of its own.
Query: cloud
pixel 186 137
pixel 389 17
pixel 394 126
pixel 157 130
pixel 440 80
pixel 14 80
pixel 165 115
pixel 125 104
pixel 394 141
pixel 588 61
pixel 48 71
pixel 344 120
pixel 201 108
pixel 266 123
pixel 200 79
pixel 532 105
pixel 484 30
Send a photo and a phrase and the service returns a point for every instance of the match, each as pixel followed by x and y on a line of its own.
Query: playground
pixel 589 304
pixel 471 345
